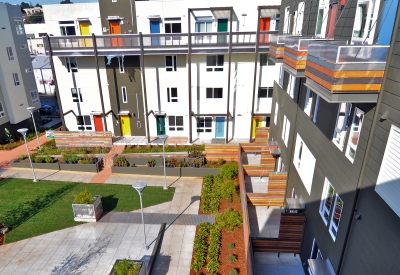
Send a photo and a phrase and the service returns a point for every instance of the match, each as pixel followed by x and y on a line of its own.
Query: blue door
pixel 154 28
pixel 387 21
pixel 219 127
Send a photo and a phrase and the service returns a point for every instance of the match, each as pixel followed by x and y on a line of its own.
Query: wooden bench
pixel 265 199
pixel 280 245
pixel 276 187
pixel 252 170
pixel 228 152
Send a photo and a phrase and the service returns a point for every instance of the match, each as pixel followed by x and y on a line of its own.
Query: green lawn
pixel 30 209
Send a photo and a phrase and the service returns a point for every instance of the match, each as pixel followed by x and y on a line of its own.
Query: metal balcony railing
pixel 301 44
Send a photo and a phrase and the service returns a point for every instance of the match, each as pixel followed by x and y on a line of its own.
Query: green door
pixel 160 125
pixel 222 27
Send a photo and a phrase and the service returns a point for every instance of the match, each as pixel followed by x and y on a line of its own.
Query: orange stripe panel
pixel 298 53
pixel 345 74
pixel 295 64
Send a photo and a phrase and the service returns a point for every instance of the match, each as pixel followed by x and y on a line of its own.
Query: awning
pixel 294 72
pixel 123 113
pixel 160 114
pixel 321 267
pixel 155 16
pixel 83 19
pixel 95 113
pixel 275 151
pixel 114 18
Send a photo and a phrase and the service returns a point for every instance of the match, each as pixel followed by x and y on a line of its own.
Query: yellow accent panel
pixel 125 125
pixel 295 64
pixel 345 74
pixel 84 28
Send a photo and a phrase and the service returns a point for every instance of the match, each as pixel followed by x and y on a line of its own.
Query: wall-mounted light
pixel 384 116
pixel 357 216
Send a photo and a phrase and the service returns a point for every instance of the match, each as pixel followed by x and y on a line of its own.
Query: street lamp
pixel 30 109
pixel 139 186
pixel 163 138
pixel 23 132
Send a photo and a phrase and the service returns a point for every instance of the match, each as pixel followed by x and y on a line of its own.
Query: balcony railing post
pixel 337 55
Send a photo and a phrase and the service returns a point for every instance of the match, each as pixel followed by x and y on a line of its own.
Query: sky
pixel 44 2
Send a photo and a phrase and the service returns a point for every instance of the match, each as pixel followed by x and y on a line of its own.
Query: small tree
pixel 9 136
pixel 66 2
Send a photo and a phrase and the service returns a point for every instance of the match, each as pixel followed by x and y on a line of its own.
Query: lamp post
pixel 163 138
pixel 30 109
pixel 139 186
pixel 23 132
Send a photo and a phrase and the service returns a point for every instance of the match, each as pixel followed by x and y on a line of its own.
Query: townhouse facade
pixel 167 67
pixel 17 83
pixel 34 34
pixel 336 122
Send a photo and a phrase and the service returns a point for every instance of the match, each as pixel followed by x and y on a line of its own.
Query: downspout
pixel 96 59
pixel 190 76
pixel 370 141
pixel 229 76
pixel 41 73
pixel 255 74
pixel 144 86
pixel 55 83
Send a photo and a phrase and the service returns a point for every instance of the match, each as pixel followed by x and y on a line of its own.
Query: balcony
pixel 295 54
pixel 177 43
pixel 346 73
pixel 277 46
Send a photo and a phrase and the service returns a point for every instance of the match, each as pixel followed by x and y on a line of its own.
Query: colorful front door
pixel 154 28
pixel 115 29
pixel 160 125
pixel 332 20
pixel 386 25
pixel 125 125
pixel 222 27
pixel 219 127
pixel 264 26
pixel 84 29
pixel 98 123
pixel 257 122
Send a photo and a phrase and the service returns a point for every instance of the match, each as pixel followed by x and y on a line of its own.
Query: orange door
pixel 332 20
pixel 264 26
pixel 115 29
pixel 98 123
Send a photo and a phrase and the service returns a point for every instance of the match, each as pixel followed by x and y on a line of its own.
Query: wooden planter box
pixel 141 263
pixel 49 166
pixel 88 212
pixel 170 171
pixel 93 168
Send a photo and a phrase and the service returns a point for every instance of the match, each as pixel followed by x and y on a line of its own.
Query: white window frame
pixel 315 113
pixel 308 102
pixel 10 53
pixel 285 130
pixel 333 227
pixel 324 6
pixel 355 129
pixel 170 68
pixel 16 79
pixel 203 128
pixel 169 21
pixel 299 18
pixel 302 154
pixel 68 64
pixel 172 123
pixel 19 27
pixel 120 64
pixel 276 113
pixel 319 253
pixel 217 67
pixel 369 28
pixel 339 133
pixel 286 23
pixel 291 85
pixel 324 208
pixel 170 96
pixel 35 97
pixel 85 126
pixel 214 94
pixel 270 92
pixel 64 25
pixel 77 96
pixel 124 94
pixel 208 27
pixel 2 112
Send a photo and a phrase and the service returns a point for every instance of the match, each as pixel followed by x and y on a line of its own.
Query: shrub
pixel 213 248
pixel 126 267
pixel 133 164
pixel 22 156
pixel 85 161
pixel 121 161
pixel 231 246
pixel 71 158
pixel 48 159
pixel 39 159
pixel 221 162
pixel 229 219
pixel 84 197
pixel 200 247
pixel 232 258
pixel 233 272
pixel 151 163
pixel 228 189
pixel 230 170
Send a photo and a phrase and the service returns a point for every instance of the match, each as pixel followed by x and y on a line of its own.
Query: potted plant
pixel 3 231
pixel 128 267
pixel 86 207
pixel 338 209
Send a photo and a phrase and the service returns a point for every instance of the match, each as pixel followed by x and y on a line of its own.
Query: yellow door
pixel 125 125
pixel 256 123
pixel 84 28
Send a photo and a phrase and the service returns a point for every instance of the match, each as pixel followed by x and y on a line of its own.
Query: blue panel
pixel 219 127
pixel 154 26
pixel 387 21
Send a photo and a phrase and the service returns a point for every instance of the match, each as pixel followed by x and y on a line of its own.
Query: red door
pixel 98 123
pixel 264 26
pixel 115 29
pixel 332 20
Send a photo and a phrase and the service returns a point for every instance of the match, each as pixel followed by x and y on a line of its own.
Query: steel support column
pixel 229 75
pixel 144 86
pixel 189 61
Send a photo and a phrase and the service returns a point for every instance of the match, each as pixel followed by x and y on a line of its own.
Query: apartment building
pixel 34 34
pixel 17 83
pixel 336 122
pixel 217 84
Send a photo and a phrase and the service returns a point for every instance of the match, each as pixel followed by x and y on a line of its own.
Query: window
pixel 67 27
pixel 276 113
pixel 339 134
pixel 18 26
pixel 175 123
pixel 308 102
pixel 34 96
pixel 76 95
pixel 72 65
pixel 291 85
pixel 286 23
pixel 16 79
pixel 39 45
pixel 2 112
pixel 299 19
pixel 120 63
pixel 23 46
pixel 335 219
pixel 388 182
pixel 170 63
pixel 322 18
pixel 172 94
pixel 315 252
pixel 204 24
pixel 325 207
pixel 204 124
pixel 265 60
pixel 124 95
pixel 215 63
pixel 172 25
pixel 304 162
pixel 214 93
pixel 363 28
pixel 41 34
pixel 28 70
pixel 285 130
pixel 315 112
pixel 265 92
pixel 10 53
pixel 84 122
pixel 355 131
